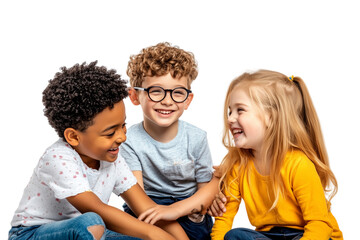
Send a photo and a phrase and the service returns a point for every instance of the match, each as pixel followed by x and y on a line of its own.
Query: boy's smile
pixel 101 140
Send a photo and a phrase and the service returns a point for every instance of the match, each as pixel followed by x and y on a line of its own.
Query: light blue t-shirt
pixel 173 168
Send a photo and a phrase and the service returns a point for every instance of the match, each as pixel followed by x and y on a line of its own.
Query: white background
pixel 316 40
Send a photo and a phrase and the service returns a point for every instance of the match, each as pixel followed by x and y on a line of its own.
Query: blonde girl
pixel 276 162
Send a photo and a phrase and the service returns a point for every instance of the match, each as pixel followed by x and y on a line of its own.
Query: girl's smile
pixel 245 123
pixel 236 132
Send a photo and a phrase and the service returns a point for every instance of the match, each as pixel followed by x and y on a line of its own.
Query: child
pixel 170 158
pixel 276 163
pixel 68 192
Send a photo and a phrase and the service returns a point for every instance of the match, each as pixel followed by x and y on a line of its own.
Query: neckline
pixel 263 177
pixel 172 142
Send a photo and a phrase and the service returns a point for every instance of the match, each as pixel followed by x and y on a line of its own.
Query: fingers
pixel 145 214
pixel 221 201
pixel 151 218
pixel 217 208
pixel 220 204
pixel 212 212
pixel 217 172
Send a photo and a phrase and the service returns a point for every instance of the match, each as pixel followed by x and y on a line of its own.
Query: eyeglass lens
pixel 157 94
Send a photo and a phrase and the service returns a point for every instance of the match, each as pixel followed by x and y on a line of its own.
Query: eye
pixel 110 134
pixel 179 92
pixel 155 91
pixel 240 109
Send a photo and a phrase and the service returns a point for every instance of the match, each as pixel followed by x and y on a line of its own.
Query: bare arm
pixel 198 203
pixel 139 178
pixel 139 202
pixel 174 228
pixel 119 221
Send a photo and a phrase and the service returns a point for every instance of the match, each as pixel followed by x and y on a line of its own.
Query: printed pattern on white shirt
pixel 61 173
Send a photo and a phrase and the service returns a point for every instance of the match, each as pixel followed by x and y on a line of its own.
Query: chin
pixel 166 123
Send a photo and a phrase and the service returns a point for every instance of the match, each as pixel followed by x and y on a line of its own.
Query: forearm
pixel 174 228
pixel 200 201
pixel 117 220
pixel 139 206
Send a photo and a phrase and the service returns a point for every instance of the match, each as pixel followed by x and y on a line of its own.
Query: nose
pixel 167 99
pixel 231 118
pixel 121 136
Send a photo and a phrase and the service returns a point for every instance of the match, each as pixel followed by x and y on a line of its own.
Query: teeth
pixel 113 149
pixel 237 131
pixel 164 112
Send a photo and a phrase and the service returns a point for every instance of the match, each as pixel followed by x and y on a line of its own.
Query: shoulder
pixel 235 170
pixel 59 149
pixel 135 133
pixel 297 158
pixel 58 155
pixel 296 162
pixel 192 130
pixel 135 128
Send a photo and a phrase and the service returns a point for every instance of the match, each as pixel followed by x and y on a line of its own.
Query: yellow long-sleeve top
pixel 303 205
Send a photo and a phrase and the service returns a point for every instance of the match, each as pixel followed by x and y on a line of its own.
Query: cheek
pixel 144 98
pixel 146 103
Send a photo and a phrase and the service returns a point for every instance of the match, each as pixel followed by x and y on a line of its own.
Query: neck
pixel 91 163
pixel 161 134
pixel 261 163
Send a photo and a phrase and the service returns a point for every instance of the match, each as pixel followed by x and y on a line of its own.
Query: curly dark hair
pixel 77 94
pixel 159 60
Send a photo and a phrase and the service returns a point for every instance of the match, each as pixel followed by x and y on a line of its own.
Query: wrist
pixel 180 209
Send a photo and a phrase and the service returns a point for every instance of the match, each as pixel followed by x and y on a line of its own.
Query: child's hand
pixel 217 208
pixel 154 214
pixel 217 172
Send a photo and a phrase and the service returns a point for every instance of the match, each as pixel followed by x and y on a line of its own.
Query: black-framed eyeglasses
pixel 157 94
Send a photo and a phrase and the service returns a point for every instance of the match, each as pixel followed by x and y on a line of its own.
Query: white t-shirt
pixel 61 173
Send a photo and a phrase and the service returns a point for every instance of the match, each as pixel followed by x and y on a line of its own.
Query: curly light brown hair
pixel 159 60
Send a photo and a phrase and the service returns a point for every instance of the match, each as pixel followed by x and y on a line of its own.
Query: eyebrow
pixel 113 126
pixel 239 104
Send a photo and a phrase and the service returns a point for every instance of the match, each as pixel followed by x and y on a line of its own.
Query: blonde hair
pixel 159 60
pixel 293 124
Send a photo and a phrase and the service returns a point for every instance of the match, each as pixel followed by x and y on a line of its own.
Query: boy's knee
pixel 97 231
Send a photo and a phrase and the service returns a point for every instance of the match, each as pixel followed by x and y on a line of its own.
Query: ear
pixel 188 100
pixel 133 96
pixel 72 137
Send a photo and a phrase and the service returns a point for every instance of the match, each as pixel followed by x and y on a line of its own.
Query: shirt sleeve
pixel 131 158
pixel 62 172
pixel 125 178
pixel 224 223
pixel 203 165
pixel 310 195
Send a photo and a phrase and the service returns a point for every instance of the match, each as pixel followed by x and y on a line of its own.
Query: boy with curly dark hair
pixel 170 158
pixel 68 192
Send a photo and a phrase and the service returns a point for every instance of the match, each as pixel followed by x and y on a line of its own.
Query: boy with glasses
pixel 170 158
